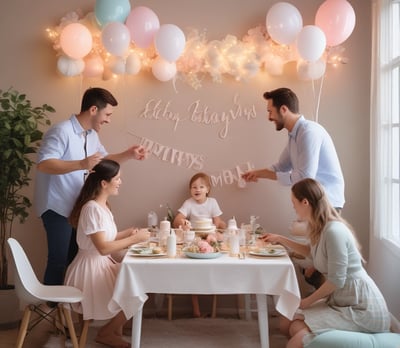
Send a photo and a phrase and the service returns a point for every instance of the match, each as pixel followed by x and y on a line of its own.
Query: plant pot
pixel 10 314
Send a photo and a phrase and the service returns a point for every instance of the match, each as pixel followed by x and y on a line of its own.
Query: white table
pixel 225 275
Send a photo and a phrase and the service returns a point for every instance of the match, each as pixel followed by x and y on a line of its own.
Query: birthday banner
pixel 194 161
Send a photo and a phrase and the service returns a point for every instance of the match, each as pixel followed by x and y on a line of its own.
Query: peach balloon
pixel 76 40
pixel 133 64
pixel 337 19
pixel 94 66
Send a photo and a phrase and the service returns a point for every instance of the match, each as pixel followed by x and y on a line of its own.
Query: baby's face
pixel 199 190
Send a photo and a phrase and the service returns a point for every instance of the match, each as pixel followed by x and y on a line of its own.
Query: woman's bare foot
pixel 113 341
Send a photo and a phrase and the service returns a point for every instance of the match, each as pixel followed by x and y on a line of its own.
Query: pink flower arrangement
pixel 204 244
pixel 204 247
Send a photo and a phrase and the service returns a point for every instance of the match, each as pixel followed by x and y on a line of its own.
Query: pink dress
pixel 91 272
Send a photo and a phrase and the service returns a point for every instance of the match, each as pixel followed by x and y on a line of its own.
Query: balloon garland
pixel 116 40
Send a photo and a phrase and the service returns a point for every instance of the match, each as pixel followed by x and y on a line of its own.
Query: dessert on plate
pixel 203 224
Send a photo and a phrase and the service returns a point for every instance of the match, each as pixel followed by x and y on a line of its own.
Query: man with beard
pixel 68 152
pixel 310 153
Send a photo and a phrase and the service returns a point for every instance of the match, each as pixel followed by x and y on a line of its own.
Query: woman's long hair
pixel 322 210
pixel 105 170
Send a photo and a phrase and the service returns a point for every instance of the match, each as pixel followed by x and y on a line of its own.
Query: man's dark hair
pixel 283 96
pixel 99 97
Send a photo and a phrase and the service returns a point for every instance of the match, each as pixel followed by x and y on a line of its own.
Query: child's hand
pixel 186 225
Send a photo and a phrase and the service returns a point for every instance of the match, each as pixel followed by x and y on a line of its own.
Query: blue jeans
pixel 61 246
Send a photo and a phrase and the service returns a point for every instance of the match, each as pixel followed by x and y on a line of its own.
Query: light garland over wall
pixel 115 40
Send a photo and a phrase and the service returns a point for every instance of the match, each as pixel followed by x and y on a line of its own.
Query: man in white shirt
pixel 69 150
pixel 310 152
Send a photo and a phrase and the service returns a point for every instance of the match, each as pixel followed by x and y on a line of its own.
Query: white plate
pixel 268 252
pixel 202 255
pixel 146 254
pixel 137 250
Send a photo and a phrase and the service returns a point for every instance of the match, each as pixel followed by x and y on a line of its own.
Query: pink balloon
pixel 142 23
pixel 337 20
pixel 76 40
pixel 283 22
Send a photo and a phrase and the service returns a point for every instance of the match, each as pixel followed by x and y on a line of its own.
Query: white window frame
pixel 385 127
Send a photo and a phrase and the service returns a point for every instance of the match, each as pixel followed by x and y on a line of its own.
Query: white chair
pixel 32 294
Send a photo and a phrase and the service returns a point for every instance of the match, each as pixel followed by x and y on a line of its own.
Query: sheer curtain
pixel 382 190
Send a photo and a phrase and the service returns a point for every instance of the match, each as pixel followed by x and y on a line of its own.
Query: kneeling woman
pixel 93 270
pixel 348 299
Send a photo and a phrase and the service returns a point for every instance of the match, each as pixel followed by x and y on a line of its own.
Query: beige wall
pixel 28 63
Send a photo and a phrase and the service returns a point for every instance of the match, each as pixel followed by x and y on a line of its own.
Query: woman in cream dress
pixel 348 299
pixel 93 270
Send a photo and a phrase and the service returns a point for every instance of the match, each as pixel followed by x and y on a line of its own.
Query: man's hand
pixel 89 162
pixel 139 152
pixel 250 176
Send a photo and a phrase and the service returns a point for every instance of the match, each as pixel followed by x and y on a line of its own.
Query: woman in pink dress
pixel 93 270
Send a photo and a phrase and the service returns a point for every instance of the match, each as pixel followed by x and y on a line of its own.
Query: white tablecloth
pixel 223 275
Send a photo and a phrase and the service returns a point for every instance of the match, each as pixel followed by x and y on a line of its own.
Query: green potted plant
pixel 20 133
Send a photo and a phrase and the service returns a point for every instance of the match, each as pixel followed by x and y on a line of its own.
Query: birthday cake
pixel 203 224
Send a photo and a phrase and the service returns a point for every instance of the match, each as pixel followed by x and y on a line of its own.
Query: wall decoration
pixel 200 113
pixel 231 176
pixel 116 39
pixel 173 156
pixel 194 162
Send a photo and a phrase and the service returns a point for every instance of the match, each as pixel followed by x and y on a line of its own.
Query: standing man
pixel 310 152
pixel 69 150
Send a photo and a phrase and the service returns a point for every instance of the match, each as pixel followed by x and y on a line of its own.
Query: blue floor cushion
pixel 351 339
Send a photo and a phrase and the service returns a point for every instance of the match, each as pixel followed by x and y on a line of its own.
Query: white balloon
pixel 163 70
pixel 311 43
pixel 116 38
pixel 311 70
pixel 133 64
pixel 117 65
pixel 69 66
pixel 170 42
pixel 283 22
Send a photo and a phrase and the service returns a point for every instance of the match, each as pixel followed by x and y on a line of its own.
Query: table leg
pixel 247 306
pixel 137 328
pixel 262 310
